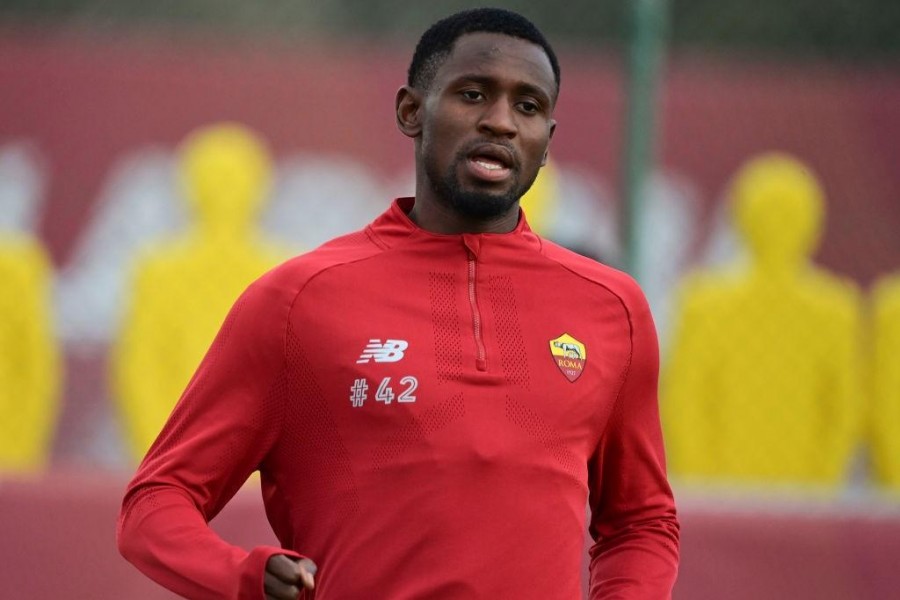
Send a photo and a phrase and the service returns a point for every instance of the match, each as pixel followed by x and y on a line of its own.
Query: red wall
pixel 88 98
pixel 57 540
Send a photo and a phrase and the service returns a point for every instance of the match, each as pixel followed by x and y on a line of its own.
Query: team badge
pixel 569 355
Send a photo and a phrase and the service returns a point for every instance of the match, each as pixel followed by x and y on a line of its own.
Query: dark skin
pixel 286 577
pixel 486 122
pixel 483 126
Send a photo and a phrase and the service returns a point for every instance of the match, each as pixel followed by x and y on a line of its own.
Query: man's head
pixel 479 103
pixel 437 42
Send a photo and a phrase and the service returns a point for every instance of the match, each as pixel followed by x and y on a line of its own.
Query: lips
pixel 490 162
pixel 493 154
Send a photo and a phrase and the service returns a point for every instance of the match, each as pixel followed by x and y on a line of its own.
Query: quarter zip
pixel 480 353
pixel 480 358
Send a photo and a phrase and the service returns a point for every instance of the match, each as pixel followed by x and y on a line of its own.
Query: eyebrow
pixel 528 88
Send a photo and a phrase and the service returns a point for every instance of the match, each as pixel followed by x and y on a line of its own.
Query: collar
pixel 394 226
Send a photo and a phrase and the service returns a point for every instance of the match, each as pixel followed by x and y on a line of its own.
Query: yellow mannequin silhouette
pixel 761 385
pixel 885 429
pixel 183 290
pixel 29 361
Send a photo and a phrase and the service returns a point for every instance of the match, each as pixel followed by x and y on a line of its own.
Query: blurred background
pixel 742 160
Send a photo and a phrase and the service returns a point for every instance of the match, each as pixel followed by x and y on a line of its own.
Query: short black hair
pixel 437 42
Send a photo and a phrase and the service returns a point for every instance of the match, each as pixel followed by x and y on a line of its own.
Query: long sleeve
pixel 633 522
pixel 218 434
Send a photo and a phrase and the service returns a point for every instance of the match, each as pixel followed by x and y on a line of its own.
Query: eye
pixel 529 107
pixel 473 95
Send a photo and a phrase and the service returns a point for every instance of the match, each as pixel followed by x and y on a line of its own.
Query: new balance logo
pixel 389 351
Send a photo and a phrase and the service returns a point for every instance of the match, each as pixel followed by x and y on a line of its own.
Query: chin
pixel 476 199
pixel 482 205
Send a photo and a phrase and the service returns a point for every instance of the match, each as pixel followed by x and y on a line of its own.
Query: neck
pixel 777 269
pixel 439 219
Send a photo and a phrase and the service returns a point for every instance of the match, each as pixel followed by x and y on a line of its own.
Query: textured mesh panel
pixel 417 431
pixel 263 421
pixel 436 418
pixel 149 502
pixel 509 332
pixel 533 425
pixel 275 401
pixel 447 337
pixel 313 437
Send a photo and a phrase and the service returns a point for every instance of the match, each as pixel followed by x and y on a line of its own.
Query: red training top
pixel 429 415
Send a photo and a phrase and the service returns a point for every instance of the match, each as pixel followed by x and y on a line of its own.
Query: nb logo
pixel 389 351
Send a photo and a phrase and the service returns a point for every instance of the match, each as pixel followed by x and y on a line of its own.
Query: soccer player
pixel 430 401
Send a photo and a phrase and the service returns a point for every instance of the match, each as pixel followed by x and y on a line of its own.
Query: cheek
pixel 535 152
pixel 440 140
pixel 538 140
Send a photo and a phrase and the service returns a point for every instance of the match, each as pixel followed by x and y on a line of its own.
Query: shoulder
pixel 289 279
pixel 838 296
pixel 262 311
pixel 706 289
pixel 886 304
pixel 606 278
pixel 887 290
pixel 23 256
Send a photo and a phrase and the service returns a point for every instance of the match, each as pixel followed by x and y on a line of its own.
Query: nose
pixel 498 119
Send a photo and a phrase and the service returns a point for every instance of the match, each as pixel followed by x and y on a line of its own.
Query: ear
pixel 550 137
pixel 408 105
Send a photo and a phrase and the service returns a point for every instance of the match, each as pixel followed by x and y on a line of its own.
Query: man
pixel 432 400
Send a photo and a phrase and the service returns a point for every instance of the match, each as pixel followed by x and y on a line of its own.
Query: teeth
pixel 491 166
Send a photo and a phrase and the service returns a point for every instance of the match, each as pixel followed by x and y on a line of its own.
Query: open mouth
pixel 490 162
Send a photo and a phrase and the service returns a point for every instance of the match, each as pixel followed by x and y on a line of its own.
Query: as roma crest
pixel 569 355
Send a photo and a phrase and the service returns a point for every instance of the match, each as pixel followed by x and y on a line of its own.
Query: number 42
pixel 386 394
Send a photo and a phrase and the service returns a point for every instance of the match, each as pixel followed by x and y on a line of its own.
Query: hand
pixel 286 577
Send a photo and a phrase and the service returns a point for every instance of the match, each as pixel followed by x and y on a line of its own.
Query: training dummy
pixel 182 289
pixel 29 357
pixel 29 361
pixel 885 421
pixel 761 382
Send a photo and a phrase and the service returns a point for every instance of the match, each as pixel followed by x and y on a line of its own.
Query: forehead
pixel 496 55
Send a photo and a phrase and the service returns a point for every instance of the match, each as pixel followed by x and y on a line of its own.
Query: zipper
pixel 480 358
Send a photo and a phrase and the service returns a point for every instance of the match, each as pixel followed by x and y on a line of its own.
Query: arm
pixel 220 431
pixel 633 523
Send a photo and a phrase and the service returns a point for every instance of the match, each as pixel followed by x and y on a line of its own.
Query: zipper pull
pixel 472 243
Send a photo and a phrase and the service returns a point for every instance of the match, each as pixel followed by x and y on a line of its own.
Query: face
pixel 484 125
